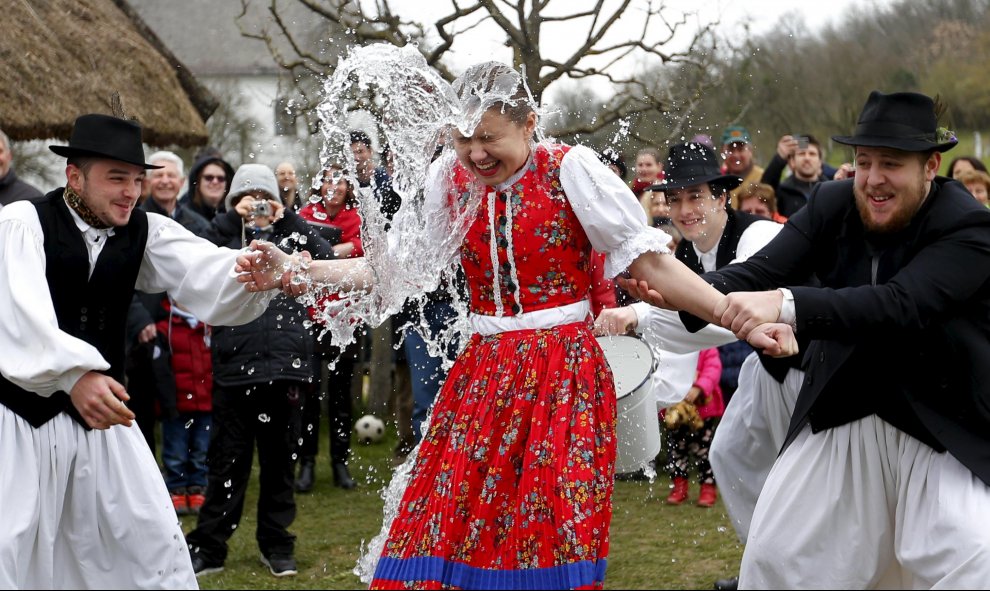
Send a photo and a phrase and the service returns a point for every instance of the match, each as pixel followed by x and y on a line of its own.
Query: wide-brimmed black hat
pixel 103 136
pixel 900 120
pixel 695 164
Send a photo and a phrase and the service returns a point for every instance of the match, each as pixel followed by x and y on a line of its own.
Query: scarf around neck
pixel 79 206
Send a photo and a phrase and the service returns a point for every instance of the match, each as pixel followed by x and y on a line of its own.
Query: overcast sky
pixel 488 41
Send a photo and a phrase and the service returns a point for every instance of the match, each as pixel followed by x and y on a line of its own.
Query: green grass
pixel 653 545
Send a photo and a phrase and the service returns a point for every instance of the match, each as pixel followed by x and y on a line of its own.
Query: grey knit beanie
pixel 252 177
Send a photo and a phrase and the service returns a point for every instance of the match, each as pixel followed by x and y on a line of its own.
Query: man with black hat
pixel 885 475
pixel 84 503
pixel 716 235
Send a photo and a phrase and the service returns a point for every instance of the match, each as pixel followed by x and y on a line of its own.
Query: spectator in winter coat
pixel 259 372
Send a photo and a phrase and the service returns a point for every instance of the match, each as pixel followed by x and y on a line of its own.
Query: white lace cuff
pixel 650 239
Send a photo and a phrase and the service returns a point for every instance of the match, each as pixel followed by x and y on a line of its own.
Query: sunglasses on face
pixel 211 178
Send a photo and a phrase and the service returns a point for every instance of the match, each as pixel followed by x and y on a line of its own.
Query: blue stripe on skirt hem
pixel 586 573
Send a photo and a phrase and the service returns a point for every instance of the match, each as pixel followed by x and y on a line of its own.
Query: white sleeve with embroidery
pixel 608 211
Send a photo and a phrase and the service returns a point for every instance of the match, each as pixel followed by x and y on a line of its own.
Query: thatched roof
pixel 65 58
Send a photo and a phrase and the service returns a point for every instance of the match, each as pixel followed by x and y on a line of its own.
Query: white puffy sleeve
pixel 198 274
pixel 611 216
pixel 37 355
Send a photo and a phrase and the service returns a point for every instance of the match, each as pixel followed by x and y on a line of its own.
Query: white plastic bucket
pixel 637 428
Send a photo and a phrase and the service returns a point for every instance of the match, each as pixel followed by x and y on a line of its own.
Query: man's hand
pixel 786 146
pixel 775 339
pixel 613 321
pixel 147 334
pixel 100 401
pixel 742 311
pixel 641 291
pixel 847 170
pixel 263 268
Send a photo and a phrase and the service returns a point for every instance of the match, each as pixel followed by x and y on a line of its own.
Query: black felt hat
pixel 900 120
pixel 103 136
pixel 695 164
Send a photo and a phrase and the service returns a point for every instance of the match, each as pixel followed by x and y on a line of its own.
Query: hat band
pixel 890 129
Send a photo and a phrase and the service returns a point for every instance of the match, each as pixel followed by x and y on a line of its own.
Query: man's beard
pixel 899 219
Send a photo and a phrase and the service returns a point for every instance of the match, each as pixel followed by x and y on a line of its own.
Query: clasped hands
pixel 266 267
pixel 751 316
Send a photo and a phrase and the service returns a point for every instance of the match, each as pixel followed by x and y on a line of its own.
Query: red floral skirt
pixel 512 485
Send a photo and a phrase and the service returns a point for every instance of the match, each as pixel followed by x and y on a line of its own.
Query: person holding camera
pixel 260 372
pixel 803 154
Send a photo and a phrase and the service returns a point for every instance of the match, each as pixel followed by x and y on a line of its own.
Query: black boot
pixel 729 584
pixel 342 477
pixel 307 475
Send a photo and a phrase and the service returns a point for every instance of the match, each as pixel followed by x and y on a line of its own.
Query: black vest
pixel 736 224
pixel 91 309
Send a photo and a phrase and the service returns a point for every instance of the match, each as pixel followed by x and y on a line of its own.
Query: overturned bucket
pixel 637 429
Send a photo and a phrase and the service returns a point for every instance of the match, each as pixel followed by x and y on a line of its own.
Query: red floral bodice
pixel 525 249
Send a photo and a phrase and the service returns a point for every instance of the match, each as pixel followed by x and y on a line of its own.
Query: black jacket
pixel 279 344
pixel 792 194
pixel 913 348
pixel 14 189
pixel 187 198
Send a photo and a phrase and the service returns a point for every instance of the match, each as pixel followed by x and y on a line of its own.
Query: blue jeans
pixel 184 449
pixel 426 372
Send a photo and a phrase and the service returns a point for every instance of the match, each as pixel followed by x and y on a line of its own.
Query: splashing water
pixel 414 253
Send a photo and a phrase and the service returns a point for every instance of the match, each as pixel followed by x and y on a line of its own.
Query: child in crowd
pixel 185 381
pixel 691 426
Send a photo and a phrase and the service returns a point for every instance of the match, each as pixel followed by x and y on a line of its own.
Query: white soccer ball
pixel 369 429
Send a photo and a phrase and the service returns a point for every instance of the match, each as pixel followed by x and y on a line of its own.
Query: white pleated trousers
pixel 866 506
pixel 85 510
pixel 749 437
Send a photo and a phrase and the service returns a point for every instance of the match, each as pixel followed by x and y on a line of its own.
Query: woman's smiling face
pixel 498 148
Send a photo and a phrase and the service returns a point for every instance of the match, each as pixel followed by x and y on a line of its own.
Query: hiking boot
pixel 280 565
pixel 180 501
pixel 708 495
pixel 307 475
pixel 202 566
pixel 680 492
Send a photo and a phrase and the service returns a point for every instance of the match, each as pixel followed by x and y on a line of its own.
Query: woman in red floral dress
pixel 511 487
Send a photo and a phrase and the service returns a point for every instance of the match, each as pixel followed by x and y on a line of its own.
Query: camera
pixel 802 141
pixel 262 208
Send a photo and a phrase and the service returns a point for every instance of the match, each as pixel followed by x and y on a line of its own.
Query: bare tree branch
pixel 597 55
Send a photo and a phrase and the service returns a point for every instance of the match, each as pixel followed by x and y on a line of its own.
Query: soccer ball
pixel 369 429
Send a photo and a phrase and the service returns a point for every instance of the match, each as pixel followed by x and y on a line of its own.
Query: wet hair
pixel 495 85
pixel 761 191
pixel 976 162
